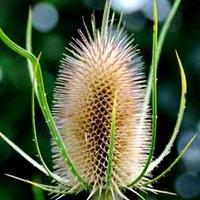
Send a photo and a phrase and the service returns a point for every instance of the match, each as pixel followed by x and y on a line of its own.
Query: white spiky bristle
pixel 84 96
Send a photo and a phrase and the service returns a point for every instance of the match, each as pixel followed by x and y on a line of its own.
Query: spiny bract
pixel 101 67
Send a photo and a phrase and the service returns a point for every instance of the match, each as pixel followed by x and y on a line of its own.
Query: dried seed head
pixel 87 83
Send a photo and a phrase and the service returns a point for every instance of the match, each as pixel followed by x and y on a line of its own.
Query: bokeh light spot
pixel 163 9
pixel 45 17
pixel 187 186
pixel 128 6
pixel 191 158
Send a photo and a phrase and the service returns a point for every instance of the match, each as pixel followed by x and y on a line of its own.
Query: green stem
pixel 41 96
pixel 111 144
pixel 154 94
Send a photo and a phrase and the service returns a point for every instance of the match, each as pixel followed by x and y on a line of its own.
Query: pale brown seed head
pixel 84 97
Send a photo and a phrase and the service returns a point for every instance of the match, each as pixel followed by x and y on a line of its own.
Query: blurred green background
pixel 55 22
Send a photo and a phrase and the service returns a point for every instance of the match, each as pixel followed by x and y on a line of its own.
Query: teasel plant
pixel 102 129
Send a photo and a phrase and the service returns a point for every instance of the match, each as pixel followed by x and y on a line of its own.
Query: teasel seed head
pixel 102 143
pixel 102 69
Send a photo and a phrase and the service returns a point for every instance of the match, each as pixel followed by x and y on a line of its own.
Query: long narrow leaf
pixel 41 95
pixel 158 191
pixel 33 120
pixel 45 108
pixel 179 118
pixel 39 185
pixel 104 26
pixel 23 154
pixel 162 36
pixel 52 175
pixel 154 94
pixel 29 44
pixel 166 26
pixel 112 142
pixel 173 163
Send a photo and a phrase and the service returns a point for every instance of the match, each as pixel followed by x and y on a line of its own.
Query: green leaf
pixel 48 188
pixel 152 75
pixel 41 96
pixel 105 20
pixel 23 154
pixel 154 94
pixel 158 191
pixel 112 143
pixel 52 175
pixel 28 42
pixel 179 118
pixel 33 119
pixel 162 36
pixel 173 163
pixel 166 26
